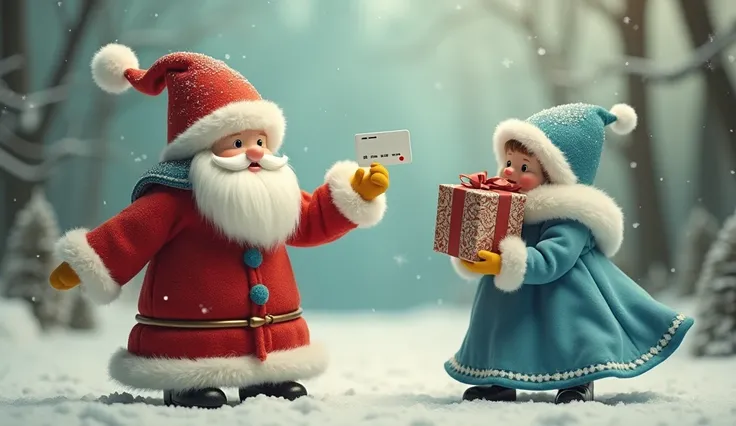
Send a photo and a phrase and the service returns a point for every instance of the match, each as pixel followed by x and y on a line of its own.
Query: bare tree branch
pixel 22 101
pixel 601 7
pixel 11 63
pixel 649 69
pixel 29 150
pixel 40 172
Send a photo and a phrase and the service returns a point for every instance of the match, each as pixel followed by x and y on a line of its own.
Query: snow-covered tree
pixel 716 331
pixel 700 233
pixel 25 270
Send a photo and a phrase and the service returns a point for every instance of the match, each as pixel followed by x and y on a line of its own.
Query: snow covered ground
pixel 386 370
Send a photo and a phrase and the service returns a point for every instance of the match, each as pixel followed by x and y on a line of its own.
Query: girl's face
pixel 524 169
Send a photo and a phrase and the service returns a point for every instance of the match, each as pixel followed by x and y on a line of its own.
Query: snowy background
pixel 446 70
pixel 386 370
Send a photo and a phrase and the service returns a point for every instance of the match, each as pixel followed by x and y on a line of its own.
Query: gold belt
pixel 252 322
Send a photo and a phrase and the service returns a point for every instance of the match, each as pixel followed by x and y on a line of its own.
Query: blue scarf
pixel 174 174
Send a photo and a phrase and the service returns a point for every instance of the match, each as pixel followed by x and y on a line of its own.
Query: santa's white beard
pixel 259 209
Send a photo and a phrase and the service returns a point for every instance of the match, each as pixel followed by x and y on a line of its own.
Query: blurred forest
pixel 447 71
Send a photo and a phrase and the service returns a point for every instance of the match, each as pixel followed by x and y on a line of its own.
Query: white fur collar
pixel 583 203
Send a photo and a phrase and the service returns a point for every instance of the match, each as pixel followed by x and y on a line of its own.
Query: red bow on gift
pixel 481 180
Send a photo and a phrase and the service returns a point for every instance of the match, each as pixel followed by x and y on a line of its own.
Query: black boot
pixel 196 398
pixel 582 393
pixel 490 393
pixel 286 390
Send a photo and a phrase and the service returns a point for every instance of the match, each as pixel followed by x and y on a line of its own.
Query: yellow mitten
pixel 372 184
pixel 490 265
pixel 64 277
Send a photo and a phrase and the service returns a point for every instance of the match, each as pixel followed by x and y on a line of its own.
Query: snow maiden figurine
pixel 219 306
pixel 552 311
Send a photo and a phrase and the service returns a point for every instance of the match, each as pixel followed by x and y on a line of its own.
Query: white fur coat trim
pixel 462 272
pixel 232 118
pixel 359 211
pixel 513 264
pixel 583 203
pixel 138 372
pixel 96 281
pixel 552 159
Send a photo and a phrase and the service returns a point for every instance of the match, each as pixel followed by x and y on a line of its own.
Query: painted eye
pixel 508 163
pixel 238 143
pixel 260 142
pixel 524 168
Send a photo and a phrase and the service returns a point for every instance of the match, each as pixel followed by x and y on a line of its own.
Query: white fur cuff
pixel 513 264
pixel 362 213
pixel 97 283
pixel 137 372
pixel 462 272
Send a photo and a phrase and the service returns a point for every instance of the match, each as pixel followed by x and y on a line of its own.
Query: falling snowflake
pixel 731 58
pixel 104 202
pixel 635 225
pixel 633 164
pixel 419 277
pixel 306 148
pixel 155 15
pixel 661 179
pixel 507 62
pixel 672 270
pixel 627 20
pixel 122 138
pixel 458 7
pixel 438 85
pixel 205 310
pixel 440 301
pixel 338 68
pixel 166 297
pixel 227 56
pixel 400 259
pixel 373 309
pixel 541 51
pixel 58 3
pixel 429 257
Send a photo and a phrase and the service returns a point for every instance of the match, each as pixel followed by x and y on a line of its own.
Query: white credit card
pixel 388 148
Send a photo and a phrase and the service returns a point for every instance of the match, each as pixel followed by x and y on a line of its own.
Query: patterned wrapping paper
pixel 476 215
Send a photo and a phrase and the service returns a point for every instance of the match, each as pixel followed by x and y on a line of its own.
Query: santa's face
pixel 249 194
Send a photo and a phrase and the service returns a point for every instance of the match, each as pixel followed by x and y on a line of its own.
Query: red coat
pixel 195 273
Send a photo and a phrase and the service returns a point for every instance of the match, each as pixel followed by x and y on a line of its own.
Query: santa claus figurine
pixel 219 306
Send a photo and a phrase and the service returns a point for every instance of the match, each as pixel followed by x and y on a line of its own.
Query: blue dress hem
pixel 652 360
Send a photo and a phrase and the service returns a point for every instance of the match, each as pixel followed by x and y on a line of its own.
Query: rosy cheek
pixel 529 180
pixel 228 152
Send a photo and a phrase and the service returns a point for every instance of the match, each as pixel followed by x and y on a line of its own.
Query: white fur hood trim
pixel 583 203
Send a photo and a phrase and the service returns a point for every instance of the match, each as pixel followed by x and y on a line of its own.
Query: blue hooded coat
pixel 560 313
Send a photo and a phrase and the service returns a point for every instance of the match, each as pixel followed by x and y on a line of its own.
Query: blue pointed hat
pixel 567 139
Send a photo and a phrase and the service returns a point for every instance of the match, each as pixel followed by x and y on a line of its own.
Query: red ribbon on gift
pixel 481 180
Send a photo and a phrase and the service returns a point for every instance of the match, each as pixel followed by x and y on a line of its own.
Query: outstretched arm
pixel 557 251
pixel 335 208
pixel 109 256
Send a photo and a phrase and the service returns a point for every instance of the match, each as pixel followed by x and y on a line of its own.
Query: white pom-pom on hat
pixel 109 65
pixel 626 119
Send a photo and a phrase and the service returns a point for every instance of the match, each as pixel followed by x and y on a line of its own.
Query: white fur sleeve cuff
pixel 462 272
pixel 357 210
pixel 513 264
pixel 74 249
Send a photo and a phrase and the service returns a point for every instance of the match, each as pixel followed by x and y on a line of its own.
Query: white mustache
pixel 241 162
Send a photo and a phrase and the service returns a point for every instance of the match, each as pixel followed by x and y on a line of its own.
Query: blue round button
pixel 259 294
pixel 252 258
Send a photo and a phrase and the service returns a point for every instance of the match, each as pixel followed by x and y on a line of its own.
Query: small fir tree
pixel 716 292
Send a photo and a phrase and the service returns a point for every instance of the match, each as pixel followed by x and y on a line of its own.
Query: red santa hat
pixel 207 99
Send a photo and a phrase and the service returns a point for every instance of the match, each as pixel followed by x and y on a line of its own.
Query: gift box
pixel 476 215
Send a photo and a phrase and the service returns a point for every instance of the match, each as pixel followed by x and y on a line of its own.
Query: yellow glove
pixel 64 277
pixel 490 265
pixel 372 184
